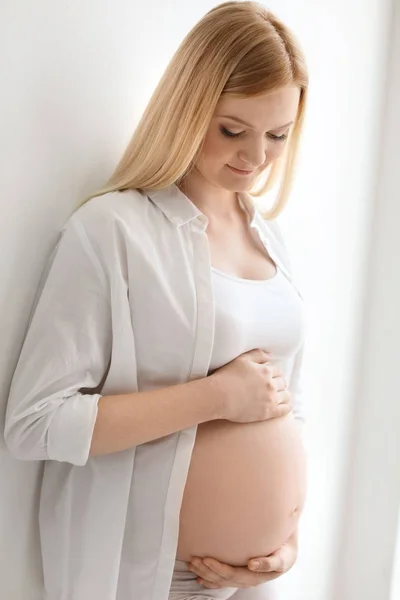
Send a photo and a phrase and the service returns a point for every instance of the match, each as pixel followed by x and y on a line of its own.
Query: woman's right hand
pixel 252 389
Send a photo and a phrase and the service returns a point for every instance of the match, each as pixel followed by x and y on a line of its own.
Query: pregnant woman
pixel 159 377
pixel 246 483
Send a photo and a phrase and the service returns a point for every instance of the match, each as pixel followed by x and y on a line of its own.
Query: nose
pixel 254 155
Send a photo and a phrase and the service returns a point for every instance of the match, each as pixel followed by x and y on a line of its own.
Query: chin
pixel 237 186
pixel 245 187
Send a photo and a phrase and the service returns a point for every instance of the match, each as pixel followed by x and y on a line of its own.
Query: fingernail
pixel 196 562
pixel 254 565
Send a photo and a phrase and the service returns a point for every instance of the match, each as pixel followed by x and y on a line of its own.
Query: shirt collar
pixel 174 204
pixel 177 207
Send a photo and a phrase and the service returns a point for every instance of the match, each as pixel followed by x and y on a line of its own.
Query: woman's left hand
pixel 213 574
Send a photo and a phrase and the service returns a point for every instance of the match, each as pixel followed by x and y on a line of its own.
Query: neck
pixel 215 202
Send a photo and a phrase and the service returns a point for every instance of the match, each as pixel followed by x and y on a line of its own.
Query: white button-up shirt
pixel 125 304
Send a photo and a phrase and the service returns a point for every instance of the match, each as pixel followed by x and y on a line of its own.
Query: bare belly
pixel 245 490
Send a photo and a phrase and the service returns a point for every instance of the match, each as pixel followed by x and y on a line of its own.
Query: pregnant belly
pixel 245 490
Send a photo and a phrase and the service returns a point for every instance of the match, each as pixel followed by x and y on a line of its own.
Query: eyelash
pixel 276 138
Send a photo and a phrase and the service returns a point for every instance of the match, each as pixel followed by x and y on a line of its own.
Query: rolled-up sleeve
pixel 67 348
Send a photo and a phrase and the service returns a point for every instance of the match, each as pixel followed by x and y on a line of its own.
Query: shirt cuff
pixel 71 429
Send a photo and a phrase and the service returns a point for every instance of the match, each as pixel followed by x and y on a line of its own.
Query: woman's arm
pixel 67 348
pixel 53 412
pixel 127 420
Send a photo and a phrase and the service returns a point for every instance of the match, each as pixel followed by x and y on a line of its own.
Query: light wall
pixel 77 77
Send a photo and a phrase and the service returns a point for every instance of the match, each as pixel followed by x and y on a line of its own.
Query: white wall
pixel 78 76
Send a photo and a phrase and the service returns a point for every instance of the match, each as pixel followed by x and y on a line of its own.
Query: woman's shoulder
pixel 112 207
pixel 115 214
pixel 111 225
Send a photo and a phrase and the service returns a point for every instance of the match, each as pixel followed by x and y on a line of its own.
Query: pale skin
pixel 212 186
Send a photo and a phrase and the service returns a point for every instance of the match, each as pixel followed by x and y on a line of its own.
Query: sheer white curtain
pixel 368 567
pixel 396 567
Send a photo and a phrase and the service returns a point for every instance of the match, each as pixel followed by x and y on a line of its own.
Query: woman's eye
pixel 229 133
pixel 276 138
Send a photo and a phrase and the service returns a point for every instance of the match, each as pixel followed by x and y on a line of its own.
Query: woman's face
pixel 250 145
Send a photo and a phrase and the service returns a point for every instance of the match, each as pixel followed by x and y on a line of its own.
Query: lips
pixel 239 171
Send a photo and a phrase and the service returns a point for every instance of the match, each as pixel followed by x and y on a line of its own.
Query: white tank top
pixel 266 314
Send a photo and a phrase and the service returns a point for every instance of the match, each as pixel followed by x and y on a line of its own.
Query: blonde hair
pixel 238 49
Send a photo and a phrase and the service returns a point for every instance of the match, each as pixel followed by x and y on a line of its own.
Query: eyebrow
pixel 249 124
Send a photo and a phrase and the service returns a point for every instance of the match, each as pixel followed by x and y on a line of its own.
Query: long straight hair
pixel 238 49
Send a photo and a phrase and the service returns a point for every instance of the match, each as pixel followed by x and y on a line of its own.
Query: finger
pixel 272 370
pixel 261 565
pixel 238 577
pixel 250 578
pixel 204 572
pixel 209 586
pixel 234 576
pixel 229 584
pixel 279 383
pixel 283 397
pixel 275 563
pixel 225 571
pixel 281 410
pixel 259 356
